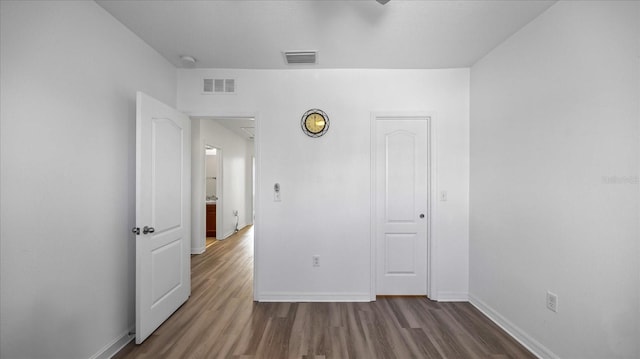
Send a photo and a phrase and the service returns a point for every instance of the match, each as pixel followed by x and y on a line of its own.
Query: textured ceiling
pixel 346 34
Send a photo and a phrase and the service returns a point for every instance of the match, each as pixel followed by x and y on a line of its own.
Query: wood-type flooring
pixel 220 320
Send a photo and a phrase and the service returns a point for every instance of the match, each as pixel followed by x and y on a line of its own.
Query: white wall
pixel 249 182
pixel 554 126
pixel 69 73
pixel 233 155
pixel 325 207
pixel 212 172
pixel 198 190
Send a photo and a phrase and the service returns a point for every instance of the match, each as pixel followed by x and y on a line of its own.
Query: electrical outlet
pixel 552 302
pixel 315 261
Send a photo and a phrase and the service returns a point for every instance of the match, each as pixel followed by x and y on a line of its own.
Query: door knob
pixel 421 216
pixel 146 230
pixel 135 230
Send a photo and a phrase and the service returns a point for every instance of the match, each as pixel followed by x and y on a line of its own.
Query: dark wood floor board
pixel 425 346
pixel 422 312
pixel 220 320
pixel 486 333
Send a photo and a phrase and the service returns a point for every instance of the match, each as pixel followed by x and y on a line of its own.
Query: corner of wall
pixel 112 348
pixel 517 333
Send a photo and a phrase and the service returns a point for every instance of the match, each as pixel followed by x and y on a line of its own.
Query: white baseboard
pixel 518 334
pixel 226 235
pixel 229 234
pixel 313 297
pixel 452 297
pixel 115 346
pixel 198 250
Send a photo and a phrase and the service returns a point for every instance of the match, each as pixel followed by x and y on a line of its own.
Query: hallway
pixel 220 320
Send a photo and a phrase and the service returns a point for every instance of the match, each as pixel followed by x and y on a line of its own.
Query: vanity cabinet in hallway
pixel 211 220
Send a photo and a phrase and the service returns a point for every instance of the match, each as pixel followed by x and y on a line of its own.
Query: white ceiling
pixel 346 33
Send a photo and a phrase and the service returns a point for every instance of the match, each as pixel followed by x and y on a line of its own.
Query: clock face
pixel 315 123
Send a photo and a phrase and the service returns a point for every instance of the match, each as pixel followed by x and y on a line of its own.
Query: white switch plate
pixel 443 196
pixel 552 302
pixel 276 192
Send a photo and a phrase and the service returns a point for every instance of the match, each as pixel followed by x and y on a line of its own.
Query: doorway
pixel 235 141
pixel 213 183
pixel 401 197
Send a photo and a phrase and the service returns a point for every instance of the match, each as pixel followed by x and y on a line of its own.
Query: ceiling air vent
pixel 218 86
pixel 301 57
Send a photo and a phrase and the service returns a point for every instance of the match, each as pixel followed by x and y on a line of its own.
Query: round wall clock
pixel 315 123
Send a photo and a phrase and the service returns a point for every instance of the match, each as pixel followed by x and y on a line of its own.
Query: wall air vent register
pixel 219 86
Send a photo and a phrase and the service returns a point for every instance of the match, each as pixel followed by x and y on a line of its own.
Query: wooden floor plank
pixel 220 320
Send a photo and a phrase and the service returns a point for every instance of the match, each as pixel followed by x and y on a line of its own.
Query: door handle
pixel 421 216
pixel 146 230
pixel 135 230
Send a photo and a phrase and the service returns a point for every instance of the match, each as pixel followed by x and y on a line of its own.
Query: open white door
pixel 163 205
pixel 402 182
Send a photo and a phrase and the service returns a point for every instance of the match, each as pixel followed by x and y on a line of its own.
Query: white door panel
pixel 163 200
pixel 399 249
pixel 400 179
pixel 401 198
pixel 166 184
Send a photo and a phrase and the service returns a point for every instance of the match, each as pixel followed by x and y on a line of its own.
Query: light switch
pixel 443 196
pixel 276 192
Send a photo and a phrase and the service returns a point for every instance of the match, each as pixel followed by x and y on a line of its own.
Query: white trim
pixel 219 189
pixel 115 345
pixel 513 330
pixel 225 236
pixel 257 233
pixel 432 194
pixel 313 297
pixel 372 205
pixel 198 250
pixel 241 226
pixel 433 205
pixel 452 297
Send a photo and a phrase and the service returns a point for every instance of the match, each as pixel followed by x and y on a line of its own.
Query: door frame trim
pixel 432 194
